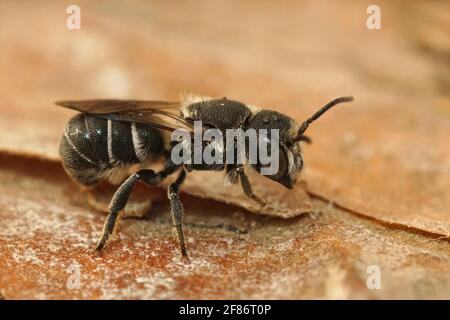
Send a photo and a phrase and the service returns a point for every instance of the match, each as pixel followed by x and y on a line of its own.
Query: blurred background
pixel 293 55
pixel 386 156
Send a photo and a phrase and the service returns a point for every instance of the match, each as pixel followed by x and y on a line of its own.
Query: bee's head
pixel 291 134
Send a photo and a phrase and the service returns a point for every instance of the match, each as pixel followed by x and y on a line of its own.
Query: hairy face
pixel 290 161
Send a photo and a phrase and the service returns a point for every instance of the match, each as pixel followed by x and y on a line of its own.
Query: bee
pixel 108 137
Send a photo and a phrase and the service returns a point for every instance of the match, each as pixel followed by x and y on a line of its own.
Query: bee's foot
pixel 261 202
pixel 101 244
pixel 184 256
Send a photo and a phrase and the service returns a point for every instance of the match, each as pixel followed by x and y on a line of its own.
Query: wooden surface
pixel 376 186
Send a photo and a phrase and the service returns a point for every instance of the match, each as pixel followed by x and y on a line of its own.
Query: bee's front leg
pixel 247 187
pixel 177 211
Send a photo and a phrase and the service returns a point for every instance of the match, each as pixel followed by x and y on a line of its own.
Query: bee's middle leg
pixel 121 196
pixel 177 211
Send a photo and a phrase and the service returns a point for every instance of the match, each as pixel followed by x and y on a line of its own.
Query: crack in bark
pixel 227 227
pixel 387 224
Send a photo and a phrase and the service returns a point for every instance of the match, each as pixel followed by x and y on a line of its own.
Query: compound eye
pixel 282 165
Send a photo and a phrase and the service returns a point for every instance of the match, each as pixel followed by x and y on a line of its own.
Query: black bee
pixel 108 137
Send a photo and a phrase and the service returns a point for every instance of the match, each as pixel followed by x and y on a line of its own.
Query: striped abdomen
pixel 94 148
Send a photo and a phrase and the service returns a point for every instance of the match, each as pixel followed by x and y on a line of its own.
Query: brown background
pixel 377 182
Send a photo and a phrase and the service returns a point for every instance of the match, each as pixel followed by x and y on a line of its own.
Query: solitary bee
pixel 108 137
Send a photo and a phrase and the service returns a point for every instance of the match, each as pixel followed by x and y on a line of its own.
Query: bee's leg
pixel 247 187
pixel 176 209
pixel 121 196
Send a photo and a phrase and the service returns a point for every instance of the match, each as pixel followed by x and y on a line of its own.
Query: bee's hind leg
pixel 176 209
pixel 121 196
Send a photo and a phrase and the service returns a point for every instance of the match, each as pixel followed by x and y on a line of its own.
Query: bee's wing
pixel 159 114
pixel 102 106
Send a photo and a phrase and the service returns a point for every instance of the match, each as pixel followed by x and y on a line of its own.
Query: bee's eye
pixel 282 165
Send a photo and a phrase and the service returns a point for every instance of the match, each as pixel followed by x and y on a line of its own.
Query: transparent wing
pixel 159 114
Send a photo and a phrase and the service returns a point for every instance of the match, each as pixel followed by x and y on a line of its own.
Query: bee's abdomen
pixel 94 148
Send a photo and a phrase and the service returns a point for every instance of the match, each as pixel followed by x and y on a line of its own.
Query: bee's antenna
pixel 322 110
